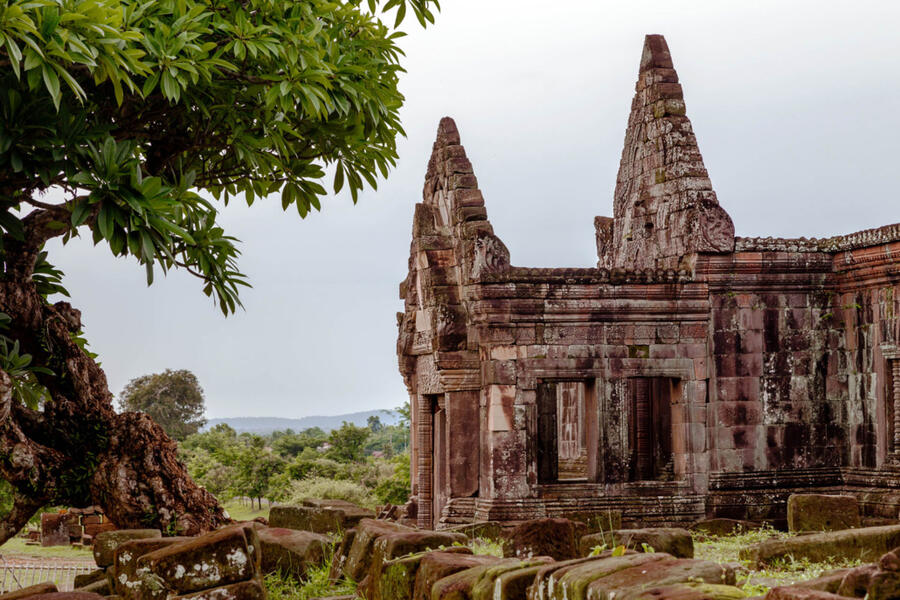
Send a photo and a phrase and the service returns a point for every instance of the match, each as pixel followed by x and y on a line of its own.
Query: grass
pixel 754 581
pixel 243 512
pixel 16 547
pixel 316 584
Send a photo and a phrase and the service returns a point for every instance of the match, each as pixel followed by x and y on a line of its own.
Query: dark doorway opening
pixel 650 428
pixel 567 431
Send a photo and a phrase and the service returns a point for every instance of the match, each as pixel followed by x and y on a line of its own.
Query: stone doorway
pixel 649 408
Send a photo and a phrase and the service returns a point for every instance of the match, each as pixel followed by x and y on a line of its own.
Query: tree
pixel 347 442
pixel 374 423
pixel 174 399
pixel 114 116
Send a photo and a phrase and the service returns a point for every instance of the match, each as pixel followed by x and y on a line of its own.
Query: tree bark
pixel 77 451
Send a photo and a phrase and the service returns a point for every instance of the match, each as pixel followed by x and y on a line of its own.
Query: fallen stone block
pixel 319 516
pixel 128 576
pixel 720 527
pixel 487 530
pixel 683 591
pixel 396 579
pixel 828 582
pixel 600 520
pixel 394 545
pixel 635 581
pixel 54 530
pixel 101 586
pixel 438 565
pixel 866 544
pixel 32 590
pixel 791 592
pixel 359 556
pixel 884 585
pixel 245 590
pixel 105 543
pixel 84 579
pixel 291 551
pixel 217 559
pixel 671 540
pixel 67 596
pixel 855 583
pixel 822 512
pixel 504 581
pixel 557 538
pixel 353 513
pixel 339 559
pixel 307 518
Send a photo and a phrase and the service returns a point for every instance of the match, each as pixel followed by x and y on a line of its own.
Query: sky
pixel 796 106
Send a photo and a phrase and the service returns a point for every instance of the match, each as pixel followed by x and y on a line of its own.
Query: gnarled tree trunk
pixel 77 451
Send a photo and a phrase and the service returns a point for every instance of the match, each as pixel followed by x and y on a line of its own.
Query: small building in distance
pixel 692 373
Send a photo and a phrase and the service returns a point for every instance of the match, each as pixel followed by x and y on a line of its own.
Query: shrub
pixel 335 489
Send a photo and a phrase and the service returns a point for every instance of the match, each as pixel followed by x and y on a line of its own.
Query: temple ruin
pixel 692 373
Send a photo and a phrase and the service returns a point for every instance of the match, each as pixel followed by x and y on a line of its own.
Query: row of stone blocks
pixel 543 559
pixel 227 564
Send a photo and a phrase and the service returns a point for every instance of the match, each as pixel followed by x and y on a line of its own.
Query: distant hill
pixel 269 424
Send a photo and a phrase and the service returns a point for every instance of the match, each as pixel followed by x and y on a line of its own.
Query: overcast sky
pixel 796 106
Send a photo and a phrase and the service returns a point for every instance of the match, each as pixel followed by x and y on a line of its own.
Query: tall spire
pixel 664 207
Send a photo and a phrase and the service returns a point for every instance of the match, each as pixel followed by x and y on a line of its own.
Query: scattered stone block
pixel 67 596
pixel 128 578
pixel 54 530
pixel 557 538
pixel 353 513
pixel 487 530
pixel 600 520
pixel 396 579
pixel 720 527
pixel 307 518
pixel 221 558
pixel 319 516
pixel 438 565
pixel 245 590
pixel 359 556
pixel 637 580
pixel 855 583
pixel 32 590
pixel 95 529
pixel 866 544
pixel 101 586
pixel 105 543
pixel 394 545
pixel 84 579
pixel 340 556
pixel 792 592
pixel 670 540
pixel 822 512
pixel 828 582
pixel 291 551
pixel 504 581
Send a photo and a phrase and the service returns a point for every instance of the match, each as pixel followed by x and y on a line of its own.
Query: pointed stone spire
pixel 664 207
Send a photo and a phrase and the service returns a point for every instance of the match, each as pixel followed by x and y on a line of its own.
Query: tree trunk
pixel 76 451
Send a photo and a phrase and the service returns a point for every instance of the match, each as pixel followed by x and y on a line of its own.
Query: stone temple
pixel 692 373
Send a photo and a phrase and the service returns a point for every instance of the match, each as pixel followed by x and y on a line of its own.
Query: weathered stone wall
pixel 715 374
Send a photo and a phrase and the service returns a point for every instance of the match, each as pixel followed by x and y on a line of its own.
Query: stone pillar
pixel 425 443
pixel 895 375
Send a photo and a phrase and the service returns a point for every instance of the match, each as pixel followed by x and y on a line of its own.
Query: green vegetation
pixel 134 122
pixel 16 547
pixel 364 465
pixel 316 584
pixel 756 582
pixel 174 399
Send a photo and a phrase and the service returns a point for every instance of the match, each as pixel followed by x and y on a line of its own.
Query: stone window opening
pixel 567 432
pixel 650 428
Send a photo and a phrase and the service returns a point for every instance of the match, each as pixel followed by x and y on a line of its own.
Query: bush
pixel 395 489
pixel 334 489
